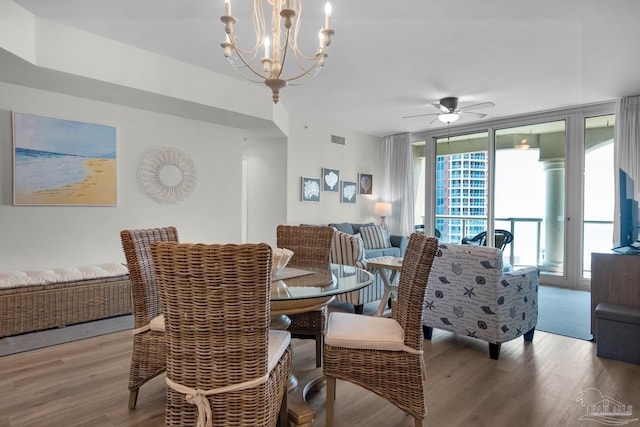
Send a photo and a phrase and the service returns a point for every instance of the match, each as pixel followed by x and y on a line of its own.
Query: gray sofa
pixel 398 243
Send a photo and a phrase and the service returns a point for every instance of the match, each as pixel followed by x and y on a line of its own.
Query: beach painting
pixel 63 162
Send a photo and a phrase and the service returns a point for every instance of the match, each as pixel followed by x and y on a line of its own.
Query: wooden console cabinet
pixel 615 278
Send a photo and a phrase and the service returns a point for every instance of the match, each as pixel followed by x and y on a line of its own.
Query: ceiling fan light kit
pixel 448 117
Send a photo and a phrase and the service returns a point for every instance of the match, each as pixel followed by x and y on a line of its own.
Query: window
pixel 597 227
pixel 528 175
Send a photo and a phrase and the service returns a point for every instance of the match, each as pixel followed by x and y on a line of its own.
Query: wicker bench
pixel 42 299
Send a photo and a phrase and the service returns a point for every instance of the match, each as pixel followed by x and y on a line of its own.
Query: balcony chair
pixel 224 366
pixel 384 355
pixel 419 228
pixel 311 247
pixel 503 238
pixel 149 350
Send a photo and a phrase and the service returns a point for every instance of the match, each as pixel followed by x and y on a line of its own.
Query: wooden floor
pixel 84 383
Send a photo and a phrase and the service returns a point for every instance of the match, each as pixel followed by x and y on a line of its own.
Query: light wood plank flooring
pixel 84 383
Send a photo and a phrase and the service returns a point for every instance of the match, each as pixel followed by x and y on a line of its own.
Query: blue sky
pixel 63 136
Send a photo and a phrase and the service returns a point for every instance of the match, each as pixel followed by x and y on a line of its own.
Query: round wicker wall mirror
pixel 166 174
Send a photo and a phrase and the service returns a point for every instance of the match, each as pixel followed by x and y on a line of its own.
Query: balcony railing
pixel 526 248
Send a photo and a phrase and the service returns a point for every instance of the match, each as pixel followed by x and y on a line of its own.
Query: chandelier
pixel 278 48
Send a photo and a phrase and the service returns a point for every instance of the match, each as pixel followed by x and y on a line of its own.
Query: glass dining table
pixel 295 290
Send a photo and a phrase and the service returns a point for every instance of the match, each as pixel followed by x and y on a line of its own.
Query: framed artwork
pixel 310 189
pixel 63 162
pixel 365 183
pixel 330 180
pixel 348 191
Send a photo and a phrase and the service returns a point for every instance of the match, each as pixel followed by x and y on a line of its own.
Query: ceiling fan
pixel 449 111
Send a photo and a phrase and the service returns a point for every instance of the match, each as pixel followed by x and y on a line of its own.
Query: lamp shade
pixel 448 117
pixel 382 209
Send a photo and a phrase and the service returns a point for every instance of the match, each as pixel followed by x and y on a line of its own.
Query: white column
pixel 554 216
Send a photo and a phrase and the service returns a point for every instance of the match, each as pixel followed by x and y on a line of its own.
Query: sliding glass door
pixel 462 190
pixel 529 193
pixel 546 178
pixel 597 227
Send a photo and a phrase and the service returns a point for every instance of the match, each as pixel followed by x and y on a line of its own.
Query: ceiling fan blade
pixel 420 115
pixel 476 106
pixel 479 115
pixel 440 107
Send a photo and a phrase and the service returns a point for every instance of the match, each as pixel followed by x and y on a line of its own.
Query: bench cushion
pixel 15 279
pixel 35 300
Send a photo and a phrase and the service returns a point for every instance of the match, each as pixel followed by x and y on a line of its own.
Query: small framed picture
pixel 310 189
pixel 365 183
pixel 330 180
pixel 349 190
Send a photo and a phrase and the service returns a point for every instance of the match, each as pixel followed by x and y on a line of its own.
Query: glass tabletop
pixel 313 283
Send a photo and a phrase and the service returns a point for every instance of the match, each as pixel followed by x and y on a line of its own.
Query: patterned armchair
pixel 348 249
pixel 469 293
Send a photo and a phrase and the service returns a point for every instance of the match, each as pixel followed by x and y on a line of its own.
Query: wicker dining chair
pixel 384 355
pixel 311 248
pixel 224 366
pixel 149 350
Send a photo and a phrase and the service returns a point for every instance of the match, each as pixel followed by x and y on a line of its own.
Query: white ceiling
pixel 392 59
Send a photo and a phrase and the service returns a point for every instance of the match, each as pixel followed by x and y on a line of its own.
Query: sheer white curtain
pixel 397 179
pixel 627 149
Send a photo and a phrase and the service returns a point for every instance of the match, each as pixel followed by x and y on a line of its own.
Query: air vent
pixel 337 139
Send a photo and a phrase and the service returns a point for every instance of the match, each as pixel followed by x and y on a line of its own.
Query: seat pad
pixel 365 332
pixel 278 343
pixel 278 340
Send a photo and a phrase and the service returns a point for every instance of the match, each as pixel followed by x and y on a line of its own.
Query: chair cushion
pixel 358 237
pixel 375 237
pixel 157 323
pixel 358 331
pixel 278 343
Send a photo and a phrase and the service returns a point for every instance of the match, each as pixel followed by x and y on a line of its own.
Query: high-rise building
pixel 461 191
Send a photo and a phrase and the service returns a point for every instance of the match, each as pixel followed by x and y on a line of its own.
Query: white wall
pixel 309 150
pixel 70 61
pixel 267 195
pixel 57 236
pixel 34 237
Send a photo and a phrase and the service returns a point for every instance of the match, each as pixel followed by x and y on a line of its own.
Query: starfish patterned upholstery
pixel 469 293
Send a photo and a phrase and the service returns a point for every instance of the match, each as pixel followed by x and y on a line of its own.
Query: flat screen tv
pixel 628 211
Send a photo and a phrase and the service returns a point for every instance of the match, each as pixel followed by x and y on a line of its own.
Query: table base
pixel 300 383
pixel 300 413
